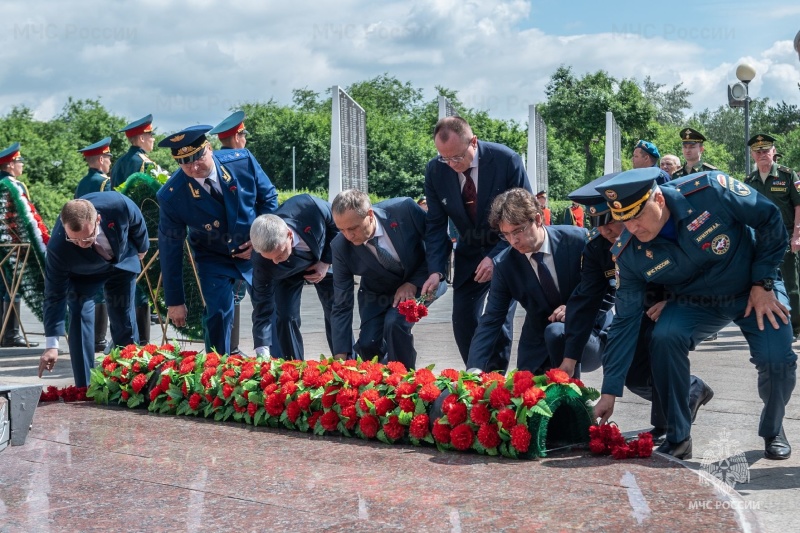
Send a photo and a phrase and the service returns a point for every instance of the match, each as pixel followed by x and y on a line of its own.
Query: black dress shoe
pixel 681 450
pixel 699 394
pixel 100 346
pixel 777 447
pixel 17 342
pixel 659 435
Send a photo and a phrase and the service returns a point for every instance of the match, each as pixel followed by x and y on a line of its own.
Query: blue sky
pixel 190 62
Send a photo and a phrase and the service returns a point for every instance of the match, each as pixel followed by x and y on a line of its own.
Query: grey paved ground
pixel 729 422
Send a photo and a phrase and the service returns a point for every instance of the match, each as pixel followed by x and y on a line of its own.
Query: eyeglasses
pixel 457 158
pixel 516 233
pixel 88 240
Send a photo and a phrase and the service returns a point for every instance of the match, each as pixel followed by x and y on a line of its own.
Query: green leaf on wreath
pixel 516 401
pixel 429 439
pixel 382 437
pixel 259 415
pixel 478 447
pixel 228 412
pixel 405 417
pixel 491 451
pixel 135 400
pixel 419 406
pixel 543 409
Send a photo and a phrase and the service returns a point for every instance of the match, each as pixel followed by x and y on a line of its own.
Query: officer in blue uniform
pixel 716 246
pixel 693 148
pixel 216 197
pixel 595 294
pixel 98 157
pixel 141 137
pixel 11 165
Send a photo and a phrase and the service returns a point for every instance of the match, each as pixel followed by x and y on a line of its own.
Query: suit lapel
pixel 201 198
pixel 111 230
pixel 394 231
pixel 486 176
pixel 561 260
pixel 229 193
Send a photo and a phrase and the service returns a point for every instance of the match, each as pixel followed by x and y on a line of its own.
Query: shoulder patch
pixel 103 185
pixel 622 242
pixel 706 166
pixel 732 184
pixel 787 170
pixel 226 156
pixel 146 159
pixel 691 185
pixel 593 234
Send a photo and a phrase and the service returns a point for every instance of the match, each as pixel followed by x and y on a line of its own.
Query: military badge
pixel 696 223
pixel 611 195
pixel 617 205
pixel 195 192
pixel 178 138
pixel 649 254
pixel 208 227
pixel 720 244
pixel 732 184
pixel 216 223
pixel 593 209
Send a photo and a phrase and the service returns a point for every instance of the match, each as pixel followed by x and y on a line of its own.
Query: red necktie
pixel 470 196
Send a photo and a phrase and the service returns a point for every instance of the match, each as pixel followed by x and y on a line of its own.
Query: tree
pixel 576 110
pixel 670 104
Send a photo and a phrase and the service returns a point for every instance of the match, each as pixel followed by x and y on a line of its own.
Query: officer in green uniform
pixel 716 246
pixel 98 157
pixel 140 134
pixel 11 165
pixel 692 152
pixel 780 184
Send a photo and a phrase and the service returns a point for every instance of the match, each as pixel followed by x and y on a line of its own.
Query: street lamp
pixel 739 96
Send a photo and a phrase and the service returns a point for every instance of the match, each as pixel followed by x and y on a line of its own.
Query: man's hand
pixel 558 315
pixel 316 272
pixel 247 249
pixel 177 314
pixel 605 407
pixel 654 312
pixel 568 366
pixel 431 285
pixel 404 292
pixel 795 241
pixel 48 360
pixel 484 271
pixel 766 304
pixel 340 356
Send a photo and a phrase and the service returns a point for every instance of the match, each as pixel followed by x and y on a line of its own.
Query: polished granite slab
pixel 91 468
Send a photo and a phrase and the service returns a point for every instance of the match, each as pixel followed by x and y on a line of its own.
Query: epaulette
pixel 172 185
pixel 622 242
pixel 103 185
pixel 146 159
pixel 226 156
pixel 782 168
pixel 593 234
pixel 706 166
pixel 691 183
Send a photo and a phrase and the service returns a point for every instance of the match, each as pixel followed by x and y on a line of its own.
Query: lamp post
pixel 745 73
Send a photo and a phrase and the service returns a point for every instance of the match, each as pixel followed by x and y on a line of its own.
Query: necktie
pixel 546 281
pixel 101 251
pixel 470 196
pixel 385 258
pixel 215 194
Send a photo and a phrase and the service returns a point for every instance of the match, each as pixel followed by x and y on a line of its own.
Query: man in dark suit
pixel 292 246
pixel 540 270
pixel 460 185
pixel 97 242
pixel 216 197
pixel 384 245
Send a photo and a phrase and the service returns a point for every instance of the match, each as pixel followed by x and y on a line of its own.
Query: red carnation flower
pixel 532 396
pixel 233 188
pixel 396 367
pixel 448 403
pixel 351 416
pixel 523 380
pixel 520 438
pixel 138 383
pixel 393 225
pixel 597 446
pixel 622 452
pixel 383 405
pixel 136 367
pixel 217 402
pixel 492 376
pixel 329 398
pixel 499 397
pixel 441 432
pixel 307 230
pixel 227 390
pixel 479 414
pixel 423 376
pixel 347 397
pixel 329 420
pixel 457 414
pixel 293 411
pixel 251 409
pixel 461 437
pixel 304 401
pixel 274 404
pixel 407 405
pixel 393 379
pixel 372 395
pixel 154 394
pixel 507 418
pixel 489 436
pixel 194 401
pixel 393 429
pixel 312 420
pixel 125 395
pixel 451 374
pixel 289 388
pixel 477 393
pixel 369 425
pixel 419 426
pixel 110 225
pixel 429 392
pixel 556 375
pixel 577 382
pixel 405 388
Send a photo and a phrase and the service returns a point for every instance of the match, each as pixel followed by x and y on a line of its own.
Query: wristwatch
pixel 767 284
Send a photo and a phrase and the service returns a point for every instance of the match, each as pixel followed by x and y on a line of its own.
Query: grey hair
pixel 267 233
pixel 351 199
